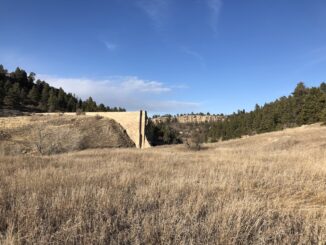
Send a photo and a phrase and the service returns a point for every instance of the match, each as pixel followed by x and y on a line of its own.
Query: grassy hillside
pixel 268 188
pixel 58 134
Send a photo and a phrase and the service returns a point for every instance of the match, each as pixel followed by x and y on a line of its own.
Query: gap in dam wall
pixel 133 122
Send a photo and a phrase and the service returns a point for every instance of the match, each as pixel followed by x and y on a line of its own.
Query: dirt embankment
pixel 58 134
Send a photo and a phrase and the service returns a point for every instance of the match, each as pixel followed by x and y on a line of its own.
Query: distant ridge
pixel 195 118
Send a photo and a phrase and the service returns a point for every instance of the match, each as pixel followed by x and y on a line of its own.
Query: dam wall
pixel 133 122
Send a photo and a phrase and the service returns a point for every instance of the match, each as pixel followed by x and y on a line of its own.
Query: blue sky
pixel 168 56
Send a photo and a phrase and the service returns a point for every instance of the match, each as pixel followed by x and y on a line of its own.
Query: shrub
pixel 80 112
pixel 195 141
pixel 98 117
pixel 56 140
pixel 162 134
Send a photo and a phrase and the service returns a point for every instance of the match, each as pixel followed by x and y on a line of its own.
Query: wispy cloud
pixel 314 57
pixel 156 10
pixel 110 46
pixel 130 92
pixel 134 84
pixel 173 106
pixel 214 7
pixel 195 55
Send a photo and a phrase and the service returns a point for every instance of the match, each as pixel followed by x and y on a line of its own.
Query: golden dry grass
pixel 265 189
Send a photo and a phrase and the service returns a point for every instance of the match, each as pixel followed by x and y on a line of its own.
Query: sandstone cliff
pixel 189 119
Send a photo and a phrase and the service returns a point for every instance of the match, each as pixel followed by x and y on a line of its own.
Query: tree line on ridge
pixel 19 91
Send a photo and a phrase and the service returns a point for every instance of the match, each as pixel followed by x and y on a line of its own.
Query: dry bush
pixel 98 117
pixel 4 135
pixel 235 192
pixel 54 140
pixel 10 149
pixel 195 142
pixel 80 112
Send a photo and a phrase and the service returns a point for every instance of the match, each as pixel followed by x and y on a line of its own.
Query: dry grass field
pixel 264 189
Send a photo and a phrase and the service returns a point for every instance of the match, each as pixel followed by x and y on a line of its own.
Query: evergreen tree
pixel 71 104
pixel 45 97
pixel 3 73
pixel 323 116
pixel 312 106
pixel 53 101
pixel 102 107
pixel 90 105
pixel 23 96
pixel 79 105
pixel 323 87
pixel 34 95
pixel 31 78
pixel 2 91
pixel 62 100
pixel 20 76
pixel 299 100
pixel 12 98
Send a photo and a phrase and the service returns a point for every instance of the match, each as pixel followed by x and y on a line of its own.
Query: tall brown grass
pixel 266 189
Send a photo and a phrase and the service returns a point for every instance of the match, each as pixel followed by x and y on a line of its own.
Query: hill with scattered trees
pixel 19 91
pixel 304 106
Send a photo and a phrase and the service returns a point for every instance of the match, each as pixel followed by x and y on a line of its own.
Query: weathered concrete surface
pixel 133 122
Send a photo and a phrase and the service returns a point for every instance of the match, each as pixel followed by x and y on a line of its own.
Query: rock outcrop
pixel 189 119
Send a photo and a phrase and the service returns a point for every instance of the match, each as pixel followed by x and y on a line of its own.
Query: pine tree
pixel 90 105
pixel 23 96
pixel 62 101
pixel 3 73
pixel 79 106
pixel 34 95
pixel 101 107
pixel 12 98
pixel 20 76
pixel 299 98
pixel 52 102
pixel 31 79
pixel 2 91
pixel 45 97
pixel 312 107
pixel 71 105
pixel 323 87
pixel 323 116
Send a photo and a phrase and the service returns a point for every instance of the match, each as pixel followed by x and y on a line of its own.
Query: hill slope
pixel 57 134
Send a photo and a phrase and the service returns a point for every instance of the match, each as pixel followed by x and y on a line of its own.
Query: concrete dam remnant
pixel 133 122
